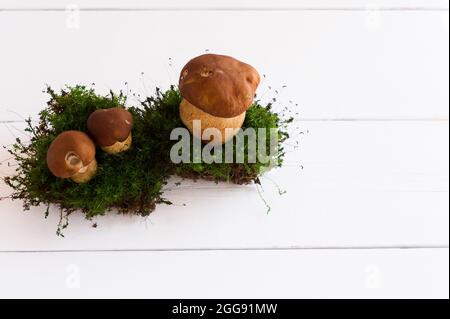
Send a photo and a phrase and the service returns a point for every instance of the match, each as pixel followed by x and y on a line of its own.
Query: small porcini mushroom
pixel 111 129
pixel 217 90
pixel 72 155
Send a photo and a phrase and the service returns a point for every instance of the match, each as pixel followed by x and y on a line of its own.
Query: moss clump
pixel 131 182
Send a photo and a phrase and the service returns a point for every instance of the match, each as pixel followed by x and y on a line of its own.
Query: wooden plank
pixel 337 64
pixel 412 273
pixel 362 184
pixel 225 4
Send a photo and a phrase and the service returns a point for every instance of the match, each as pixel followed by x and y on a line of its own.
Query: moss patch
pixel 131 182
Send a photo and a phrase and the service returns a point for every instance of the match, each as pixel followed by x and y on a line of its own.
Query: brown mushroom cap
pixel 108 126
pixel 69 152
pixel 218 84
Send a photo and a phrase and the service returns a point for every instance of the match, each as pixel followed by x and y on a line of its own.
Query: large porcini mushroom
pixel 111 129
pixel 217 90
pixel 72 155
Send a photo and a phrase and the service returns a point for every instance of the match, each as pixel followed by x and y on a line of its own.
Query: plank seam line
pixel 300 248
pixel 146 9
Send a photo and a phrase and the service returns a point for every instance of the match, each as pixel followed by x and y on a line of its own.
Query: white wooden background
pixel 366 208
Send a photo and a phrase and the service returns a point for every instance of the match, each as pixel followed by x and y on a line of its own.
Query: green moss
pixel 133 181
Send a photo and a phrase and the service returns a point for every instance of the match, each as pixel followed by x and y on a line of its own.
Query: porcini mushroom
pixel 217 90
pixel 72 155
pixel 111 129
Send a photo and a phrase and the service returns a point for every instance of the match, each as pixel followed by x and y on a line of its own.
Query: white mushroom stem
pixel 119 146
pixel 73 161
pixel 84 172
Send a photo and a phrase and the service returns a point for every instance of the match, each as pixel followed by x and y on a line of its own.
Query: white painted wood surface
pixel 362 184
pixel 392 273
pixel 226 4
pixel 371 170
pixel 337 65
